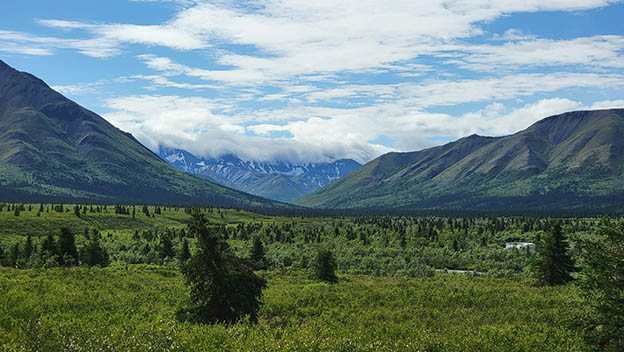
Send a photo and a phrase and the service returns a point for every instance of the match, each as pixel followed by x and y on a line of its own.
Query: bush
pixel 325 266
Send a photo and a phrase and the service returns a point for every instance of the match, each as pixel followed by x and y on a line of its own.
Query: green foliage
pixel 222 287
pixel 603 287
pixel 185 252
pixel 165 248
pixel 325 266
pixel 554 263
pixel 93 254
pixel 257 253
pixel 134 309
pixel 68 254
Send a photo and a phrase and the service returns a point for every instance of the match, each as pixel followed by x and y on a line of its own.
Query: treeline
pixel 84 209
pixel 53 251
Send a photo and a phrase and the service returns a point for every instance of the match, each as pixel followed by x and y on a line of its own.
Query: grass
pixel 119 309
pixel 50 221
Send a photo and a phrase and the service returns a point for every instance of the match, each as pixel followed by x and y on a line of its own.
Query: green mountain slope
pixel 52 149
pixel 569 161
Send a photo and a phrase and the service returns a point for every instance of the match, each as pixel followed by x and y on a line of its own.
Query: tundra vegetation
pixel 82 277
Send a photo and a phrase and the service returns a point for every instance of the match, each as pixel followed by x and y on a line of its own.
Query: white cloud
pixel 160 81
pixel 608 104
pixel 28 44
pixel 80 88
pixel 596 51
pixel 201 130
pixel 453 92
pixel 299 37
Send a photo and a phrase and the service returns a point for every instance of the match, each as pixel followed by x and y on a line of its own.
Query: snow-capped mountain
pixel 277 180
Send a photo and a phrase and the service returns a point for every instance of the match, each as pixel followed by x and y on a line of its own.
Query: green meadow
pixel 395 291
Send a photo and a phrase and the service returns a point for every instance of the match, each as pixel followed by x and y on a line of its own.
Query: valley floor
pixel 394 292
pixel 133 308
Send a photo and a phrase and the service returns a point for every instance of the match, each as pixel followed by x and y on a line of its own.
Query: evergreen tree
pixel 602 281
pixel 48 246
pixel 28 248
pixel 223 288
pixel 68 255
pixel 325 266
pixel 185 252
pixel 165 248
pixel 14 255
pixel 257 253
pixel 553 264
pixel 455 246
pixel 93 254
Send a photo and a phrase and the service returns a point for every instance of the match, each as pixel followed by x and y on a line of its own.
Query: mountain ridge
pixel 278 180
pixel 558 162
pixel 52 149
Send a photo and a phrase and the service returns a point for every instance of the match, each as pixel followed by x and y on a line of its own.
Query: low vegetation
pixel 119 309
pixel 149 277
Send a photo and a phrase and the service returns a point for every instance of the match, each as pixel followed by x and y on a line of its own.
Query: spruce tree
pixel 257 253
pixel 554 264
pixel 165 248
pixel 28 248
pixel 185 252
pixel 325 266
pixel 48 247
pixel 14 255
pixel 68 255
pixel 94 254
pixel 223 288
pixel 602 282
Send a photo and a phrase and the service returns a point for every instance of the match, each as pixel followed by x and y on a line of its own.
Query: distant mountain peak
pixel 278 179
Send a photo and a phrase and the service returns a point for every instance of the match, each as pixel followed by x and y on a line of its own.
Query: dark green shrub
pixel 325 266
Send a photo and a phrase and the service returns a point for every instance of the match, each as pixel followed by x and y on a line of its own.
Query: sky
pixel 316 81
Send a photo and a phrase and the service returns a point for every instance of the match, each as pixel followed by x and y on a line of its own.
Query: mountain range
pixel 52 149
pixel 278 180
pixel 564 162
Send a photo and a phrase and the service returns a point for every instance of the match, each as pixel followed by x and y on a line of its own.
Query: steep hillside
pixel 569 161
pixel 52 149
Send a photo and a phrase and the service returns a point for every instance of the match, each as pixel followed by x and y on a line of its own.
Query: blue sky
pixel 320 80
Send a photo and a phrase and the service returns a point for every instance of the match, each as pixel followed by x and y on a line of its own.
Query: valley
pixel 398 287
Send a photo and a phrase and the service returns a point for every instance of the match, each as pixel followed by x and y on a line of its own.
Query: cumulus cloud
pixel 200 129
